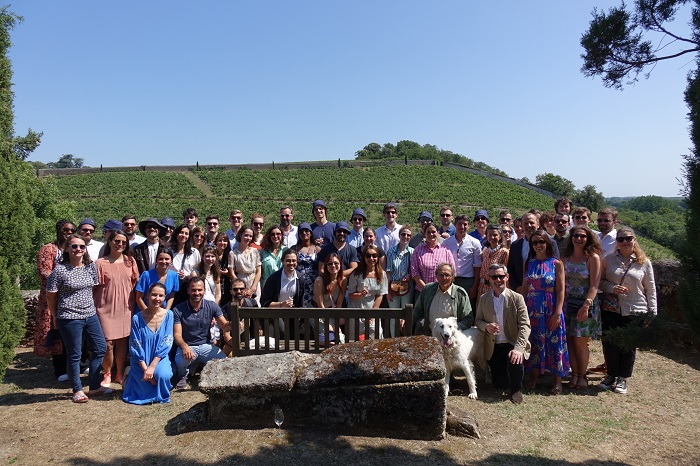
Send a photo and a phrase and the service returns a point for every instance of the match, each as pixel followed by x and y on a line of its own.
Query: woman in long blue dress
pixel 544 287
pixel 149 343
pixel 307 264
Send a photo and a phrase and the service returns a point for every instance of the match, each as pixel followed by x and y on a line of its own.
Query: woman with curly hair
pixel 366 287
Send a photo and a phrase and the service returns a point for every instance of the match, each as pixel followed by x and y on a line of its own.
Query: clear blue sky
pixel 174 82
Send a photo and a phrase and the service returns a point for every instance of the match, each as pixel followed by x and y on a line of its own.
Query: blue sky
pixel 173 82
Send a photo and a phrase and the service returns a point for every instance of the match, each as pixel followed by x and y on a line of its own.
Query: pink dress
pixel 114 296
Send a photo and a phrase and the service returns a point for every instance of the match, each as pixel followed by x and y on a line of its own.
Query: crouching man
pixel 502 315
pixel 191 326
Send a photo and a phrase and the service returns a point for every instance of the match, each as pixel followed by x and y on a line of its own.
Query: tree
pixel 16 214
pixel 618 46
pixel 67 161
pixel 589 197
pixel 555 183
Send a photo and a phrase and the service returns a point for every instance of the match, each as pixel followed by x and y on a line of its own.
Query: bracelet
pixel 588 301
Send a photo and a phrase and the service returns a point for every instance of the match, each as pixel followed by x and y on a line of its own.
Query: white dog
pixel 459 348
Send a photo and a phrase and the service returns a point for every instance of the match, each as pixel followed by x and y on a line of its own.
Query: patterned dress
pixel 549 351
pixel 489 256
pixel 46 260
pixel 577 285
pixel 307 270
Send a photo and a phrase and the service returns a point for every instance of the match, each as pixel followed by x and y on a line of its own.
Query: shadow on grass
pixel 682 355
pixel 314 448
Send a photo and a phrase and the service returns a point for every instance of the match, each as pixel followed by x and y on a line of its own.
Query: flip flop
pixel 100 391
pixel 79 398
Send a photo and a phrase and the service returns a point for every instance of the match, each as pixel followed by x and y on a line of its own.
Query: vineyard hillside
pixel 150 193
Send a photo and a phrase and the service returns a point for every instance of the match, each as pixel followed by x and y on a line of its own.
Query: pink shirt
pixel 424 261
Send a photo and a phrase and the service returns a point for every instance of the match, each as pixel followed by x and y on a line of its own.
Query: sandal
pixel 556 390
pixel 107 380
pixel 118 379
pixel 79 397
pixel 600 369
pixel 573 381
pixel 582 383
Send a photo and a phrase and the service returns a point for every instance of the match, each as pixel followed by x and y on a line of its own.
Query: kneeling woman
pixel 150 341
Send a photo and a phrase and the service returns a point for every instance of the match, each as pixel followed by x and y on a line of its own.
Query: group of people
pixel 164 297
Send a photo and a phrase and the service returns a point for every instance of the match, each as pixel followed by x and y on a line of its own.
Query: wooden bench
pixel 255 318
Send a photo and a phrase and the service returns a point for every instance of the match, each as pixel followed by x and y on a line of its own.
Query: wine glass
pixel 279 417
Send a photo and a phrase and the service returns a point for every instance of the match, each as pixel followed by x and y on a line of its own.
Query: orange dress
pixel 114 296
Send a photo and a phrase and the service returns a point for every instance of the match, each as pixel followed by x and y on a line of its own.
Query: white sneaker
pixel 85 371
pixel 62 378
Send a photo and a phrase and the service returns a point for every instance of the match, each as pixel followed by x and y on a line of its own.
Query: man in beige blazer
pixel 502 316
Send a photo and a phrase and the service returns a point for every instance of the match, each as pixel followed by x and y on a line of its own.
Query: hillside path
pixel 198 183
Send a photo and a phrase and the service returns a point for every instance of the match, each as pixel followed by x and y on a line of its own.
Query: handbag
pixel 609 301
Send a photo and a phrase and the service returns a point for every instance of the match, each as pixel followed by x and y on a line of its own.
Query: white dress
pixel 357 283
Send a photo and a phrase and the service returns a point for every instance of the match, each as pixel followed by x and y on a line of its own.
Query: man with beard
pixel 129 225
pixel 607 219
pixel 145 254
pixel 339 245
pixel 520 249
pixel 191 324
pixel 289 231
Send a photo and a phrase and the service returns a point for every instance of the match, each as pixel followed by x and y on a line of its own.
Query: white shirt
pixel 290 239
pixel 138 239
pixel 288 287
pixel 441 305
pixel 386 238
pixel 93 248
pixel 498 302
pixel 467 254
pixel 152 254
pixel 608 242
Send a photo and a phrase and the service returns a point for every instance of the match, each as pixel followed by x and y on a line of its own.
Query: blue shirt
pixel 149 277
pixel 323 231
pixel 195 325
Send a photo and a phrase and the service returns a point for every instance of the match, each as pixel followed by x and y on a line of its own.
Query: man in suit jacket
pixel 145 253
pixel 283 288
pixel 502 316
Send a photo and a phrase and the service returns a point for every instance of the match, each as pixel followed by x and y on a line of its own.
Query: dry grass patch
pixel 656 423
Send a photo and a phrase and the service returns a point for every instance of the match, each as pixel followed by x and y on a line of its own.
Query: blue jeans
pixel 72 335
pixel 203 353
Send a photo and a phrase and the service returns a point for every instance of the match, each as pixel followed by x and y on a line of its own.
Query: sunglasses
pixel 87 230
pixel 238 219
pixel 426 220
pixel 212 223
pixel 604 220
pixel 358 219
pixel 481 217
pixel 68 230
pixel 538 242
pixel 580 217
pixel 580 236
pixel 623 239
pixel 371 256
pixel 503 220
pixel 119 242
pixel 390 212
pixel 285 215
pixel 497 277
pixel 130 224
pixel 77 246
pixel 445 215
pixel 562 221
pixel 258 224
pixel 407 235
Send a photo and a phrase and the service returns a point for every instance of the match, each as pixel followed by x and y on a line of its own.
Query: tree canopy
pixel 411 150
pixel 555 183
pixel 618 46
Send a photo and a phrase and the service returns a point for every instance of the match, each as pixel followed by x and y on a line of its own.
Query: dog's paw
pixel 472 396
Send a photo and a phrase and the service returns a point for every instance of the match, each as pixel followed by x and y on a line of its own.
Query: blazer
pixel 516 323
pixel 140 255
pixel 271 290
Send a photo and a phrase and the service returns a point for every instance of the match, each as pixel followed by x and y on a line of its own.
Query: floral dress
pixel 307 270
pixel 549 351
pixel 577 285
pixel 489 256
pixel 46 260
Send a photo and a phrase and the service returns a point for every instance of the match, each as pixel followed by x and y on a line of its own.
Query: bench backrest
pixel 307 339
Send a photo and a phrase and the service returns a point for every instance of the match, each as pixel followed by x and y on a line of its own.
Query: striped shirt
pixel 424 261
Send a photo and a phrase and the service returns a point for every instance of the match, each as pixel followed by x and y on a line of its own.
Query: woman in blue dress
pixel 544 296
pixel 150 341
pixel 307 264
pixel 161 274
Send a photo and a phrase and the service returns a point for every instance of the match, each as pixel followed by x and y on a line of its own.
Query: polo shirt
pixel 195 325
pixel 347 255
